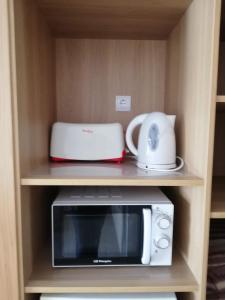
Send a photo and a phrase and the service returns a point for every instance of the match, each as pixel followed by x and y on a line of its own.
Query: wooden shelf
pixel 220 99
pixel 124 174
pixel 218 198
pixel 113 19
pixel 45 279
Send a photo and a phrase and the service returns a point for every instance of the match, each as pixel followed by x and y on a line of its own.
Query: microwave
pixel 118 296
pixel 112 226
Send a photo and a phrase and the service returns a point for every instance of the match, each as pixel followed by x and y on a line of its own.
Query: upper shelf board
pixel 111 174
pixel 132 19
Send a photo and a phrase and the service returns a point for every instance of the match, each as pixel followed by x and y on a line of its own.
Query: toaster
pixel 89 142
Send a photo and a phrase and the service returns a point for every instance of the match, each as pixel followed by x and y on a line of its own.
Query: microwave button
pixel 89 192
pixel 163 221
pixel 162 242
pixel 115 192
pixel 103 192
pixel 76 193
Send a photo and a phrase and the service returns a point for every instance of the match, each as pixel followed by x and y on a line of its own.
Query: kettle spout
pixel 172 119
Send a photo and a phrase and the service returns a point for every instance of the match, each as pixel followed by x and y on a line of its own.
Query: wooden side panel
pixel 34 112
pixel 36 84
pixel 9 279
pixel 36 216
pixel 91 73
pixel 191 95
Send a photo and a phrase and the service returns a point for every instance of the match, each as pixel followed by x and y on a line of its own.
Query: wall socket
pixel 123 103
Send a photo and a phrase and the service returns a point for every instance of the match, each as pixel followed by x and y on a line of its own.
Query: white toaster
pixel 70 141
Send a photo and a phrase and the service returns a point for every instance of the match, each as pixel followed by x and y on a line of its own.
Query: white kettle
pixel 156 142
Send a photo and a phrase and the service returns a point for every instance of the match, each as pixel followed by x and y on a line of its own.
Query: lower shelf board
pixel 218 198
pixel 45 279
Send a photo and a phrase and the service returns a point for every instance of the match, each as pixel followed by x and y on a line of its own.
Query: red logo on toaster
pixel 87 131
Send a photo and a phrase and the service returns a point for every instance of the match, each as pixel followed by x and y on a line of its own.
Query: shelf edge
pixel 58 290
pixel 217 215
pixel 112 182
pixel 220 99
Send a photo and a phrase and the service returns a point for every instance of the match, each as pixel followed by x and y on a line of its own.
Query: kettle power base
pixel 156 167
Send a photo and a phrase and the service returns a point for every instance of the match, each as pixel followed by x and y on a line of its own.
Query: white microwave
pixel 112 226
pixel 125 296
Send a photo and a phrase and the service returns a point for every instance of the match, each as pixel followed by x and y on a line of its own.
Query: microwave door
pixel 121 236
pixel 147 223
pixel 101 235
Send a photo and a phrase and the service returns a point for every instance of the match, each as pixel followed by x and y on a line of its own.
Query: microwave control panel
pixel 162 234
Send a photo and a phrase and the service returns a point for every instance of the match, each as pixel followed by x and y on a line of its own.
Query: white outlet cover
pixel 123 103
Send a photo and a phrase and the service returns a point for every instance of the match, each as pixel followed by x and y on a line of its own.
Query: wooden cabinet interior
pixel 219 145
pixel 218 190
pixel 218 187
pixel 117 19
pixel 65 75
pixel 92 72
pixel 44 278
pixel 221 65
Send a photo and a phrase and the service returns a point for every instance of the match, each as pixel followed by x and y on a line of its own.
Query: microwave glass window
pixel 86 234
pixel 119 235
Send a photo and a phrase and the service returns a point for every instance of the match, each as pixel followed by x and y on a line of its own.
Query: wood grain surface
pixel 91 73
pixel 35 84
pixel 9 267
pixel 46 279
pixel 124 174
pixel 33 115
pixel 130 19
pixel 191 95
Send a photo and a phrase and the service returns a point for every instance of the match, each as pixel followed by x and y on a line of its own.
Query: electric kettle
pixel 156 142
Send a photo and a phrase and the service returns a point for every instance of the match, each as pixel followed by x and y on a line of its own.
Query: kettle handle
pixel 133 124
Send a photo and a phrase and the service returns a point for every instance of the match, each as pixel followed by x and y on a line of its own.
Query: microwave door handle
pixel 147 224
